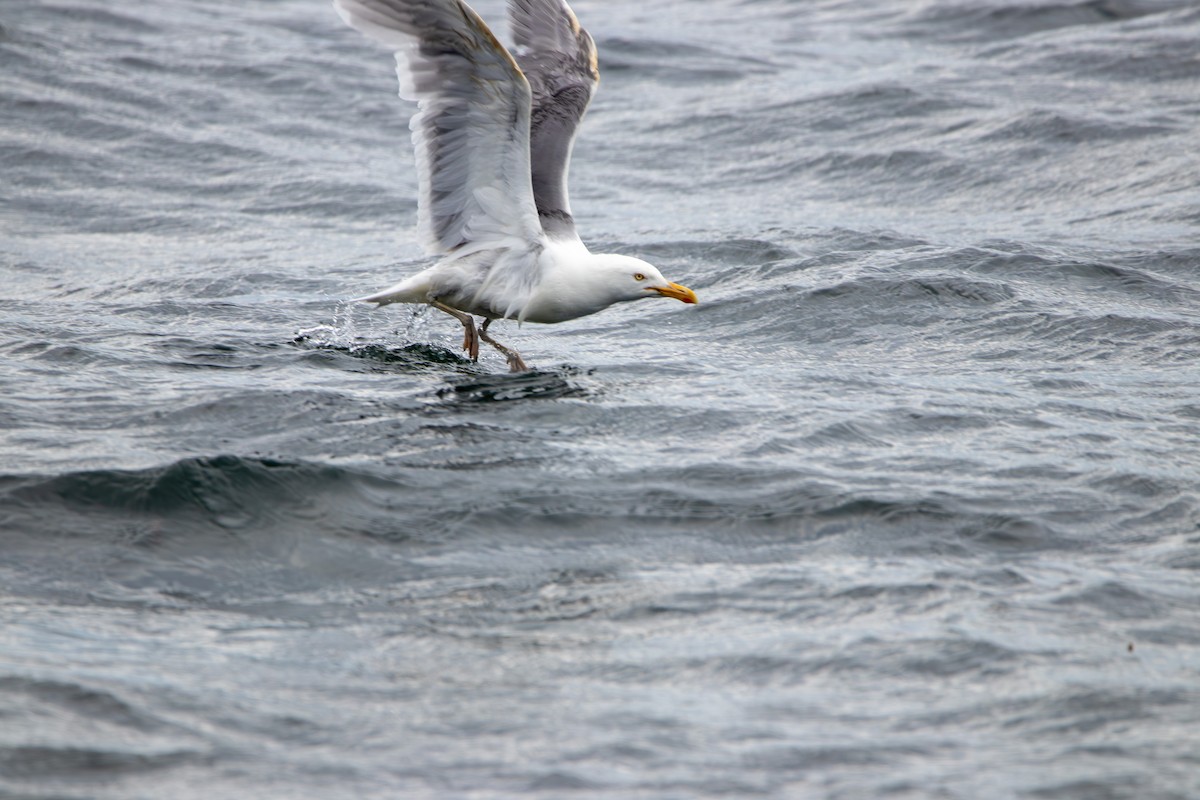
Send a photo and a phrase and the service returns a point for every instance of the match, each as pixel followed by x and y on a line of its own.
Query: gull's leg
pixel 515 364
pixel 470 337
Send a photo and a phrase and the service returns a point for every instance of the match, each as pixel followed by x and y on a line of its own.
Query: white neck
pixel 574 283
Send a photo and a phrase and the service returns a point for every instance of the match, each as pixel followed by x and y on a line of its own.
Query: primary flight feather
pixel 493 137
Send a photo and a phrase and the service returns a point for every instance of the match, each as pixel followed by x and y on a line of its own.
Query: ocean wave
pixel 230 491
pixel 1002 18
pixel 31 762
pixel 921 463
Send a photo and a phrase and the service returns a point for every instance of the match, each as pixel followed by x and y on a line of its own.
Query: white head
pixel 575 284
pixel 627 278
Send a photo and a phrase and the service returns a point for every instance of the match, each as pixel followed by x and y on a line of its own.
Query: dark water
pixel 908 507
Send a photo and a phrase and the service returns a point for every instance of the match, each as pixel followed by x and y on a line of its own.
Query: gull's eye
pixel 637 276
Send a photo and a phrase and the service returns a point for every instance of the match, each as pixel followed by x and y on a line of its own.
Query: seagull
pixel 493 135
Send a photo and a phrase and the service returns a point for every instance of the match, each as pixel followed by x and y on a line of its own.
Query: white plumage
pixel 493 136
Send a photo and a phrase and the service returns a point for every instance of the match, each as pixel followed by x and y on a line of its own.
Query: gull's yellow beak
pixel 681 293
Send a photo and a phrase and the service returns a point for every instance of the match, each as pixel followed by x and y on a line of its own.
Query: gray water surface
pixel 908 507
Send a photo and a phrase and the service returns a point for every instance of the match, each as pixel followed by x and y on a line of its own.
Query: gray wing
pixel 558 58
pixel 471 129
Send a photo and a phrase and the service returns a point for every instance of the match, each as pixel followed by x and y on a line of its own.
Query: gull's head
pixel 633 279
pixel 577 284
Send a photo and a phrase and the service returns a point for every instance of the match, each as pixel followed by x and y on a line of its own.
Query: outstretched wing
pixel 471 129
pixel 559 59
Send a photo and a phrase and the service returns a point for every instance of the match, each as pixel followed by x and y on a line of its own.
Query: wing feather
pixel 558 58
pixel 471 129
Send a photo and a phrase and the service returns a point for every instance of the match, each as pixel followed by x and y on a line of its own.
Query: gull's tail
pixel 414 289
